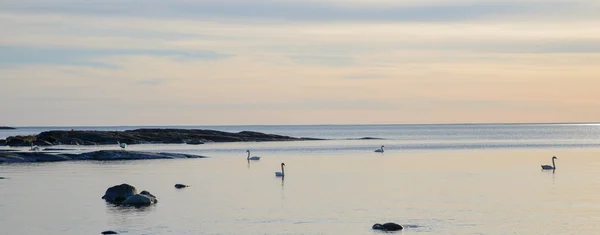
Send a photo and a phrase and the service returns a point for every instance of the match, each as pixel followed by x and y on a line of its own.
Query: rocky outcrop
pixel 7 128
pixel 181 186
pixel 28 140
pixel 142 136
pixel 119 193
pixel 103 155
pixel 31 156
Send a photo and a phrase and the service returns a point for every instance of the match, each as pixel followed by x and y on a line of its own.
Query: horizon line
pixel 363 124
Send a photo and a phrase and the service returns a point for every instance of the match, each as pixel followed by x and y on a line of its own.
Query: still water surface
pixel 331 187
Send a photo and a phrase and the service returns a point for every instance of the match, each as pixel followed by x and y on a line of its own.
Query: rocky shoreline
pixel 101 155
pixel 141 136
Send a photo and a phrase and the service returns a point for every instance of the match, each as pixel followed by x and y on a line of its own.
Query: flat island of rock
pixel 7 128
pixel 141 136
pixel 101 155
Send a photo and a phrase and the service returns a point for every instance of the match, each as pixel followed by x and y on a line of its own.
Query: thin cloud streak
pixel 311 11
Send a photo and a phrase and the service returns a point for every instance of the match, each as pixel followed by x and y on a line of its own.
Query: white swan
pixel 122 145
pixel 380 150
pixel 252 158
pixel 548 167
pixel 34 148
pixel 282 173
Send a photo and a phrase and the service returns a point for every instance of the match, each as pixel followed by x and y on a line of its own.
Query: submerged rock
pixel 181 186
pixel 388 227
pixel 119 193
pixel 144 198
pixel 109 232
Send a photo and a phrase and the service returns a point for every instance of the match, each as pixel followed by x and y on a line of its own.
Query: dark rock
pixel 371 138
pixel 142 136
pixel 119 193
pixel 181 186
pixel 309 138
pixel 2 142
pixel 104 155
pixel 26 141
pixel 56 149
pixel 144 198
pixel 3 178
pixel 147 194
pixel 194 142
pixel 388 227
pixel 31 156
pixel 109 232
pixel 7 128
pixel 131 155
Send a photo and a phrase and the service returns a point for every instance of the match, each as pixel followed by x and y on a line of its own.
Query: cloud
pixel 18 56
pixel 309 11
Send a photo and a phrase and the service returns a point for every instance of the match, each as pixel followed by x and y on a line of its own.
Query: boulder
pixel 181 186
pixel 119 193
pixel 144 198
pixel 109 232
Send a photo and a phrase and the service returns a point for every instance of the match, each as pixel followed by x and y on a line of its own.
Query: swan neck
pixel 553 166
pixel 282 170
pixel 248 155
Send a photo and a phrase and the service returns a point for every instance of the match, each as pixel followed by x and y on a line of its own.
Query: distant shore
pixel 7 128
pixel 141 136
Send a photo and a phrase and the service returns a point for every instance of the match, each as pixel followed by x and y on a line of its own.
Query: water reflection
pixel 114 208
pixel 126 216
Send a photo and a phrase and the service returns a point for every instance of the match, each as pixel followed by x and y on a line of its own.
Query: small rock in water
pixel 388 227
pixel 181 186
pixel 109 232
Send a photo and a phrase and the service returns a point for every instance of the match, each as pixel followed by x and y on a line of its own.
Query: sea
pixel 431 179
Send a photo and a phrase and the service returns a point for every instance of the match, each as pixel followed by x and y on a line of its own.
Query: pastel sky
pixel 228 62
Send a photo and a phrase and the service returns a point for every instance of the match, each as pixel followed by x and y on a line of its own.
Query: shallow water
pixel 331 187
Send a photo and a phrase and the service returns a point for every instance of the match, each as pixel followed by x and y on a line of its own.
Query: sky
pixel 268 62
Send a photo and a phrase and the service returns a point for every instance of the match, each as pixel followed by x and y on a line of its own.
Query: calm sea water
pixel 434 179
